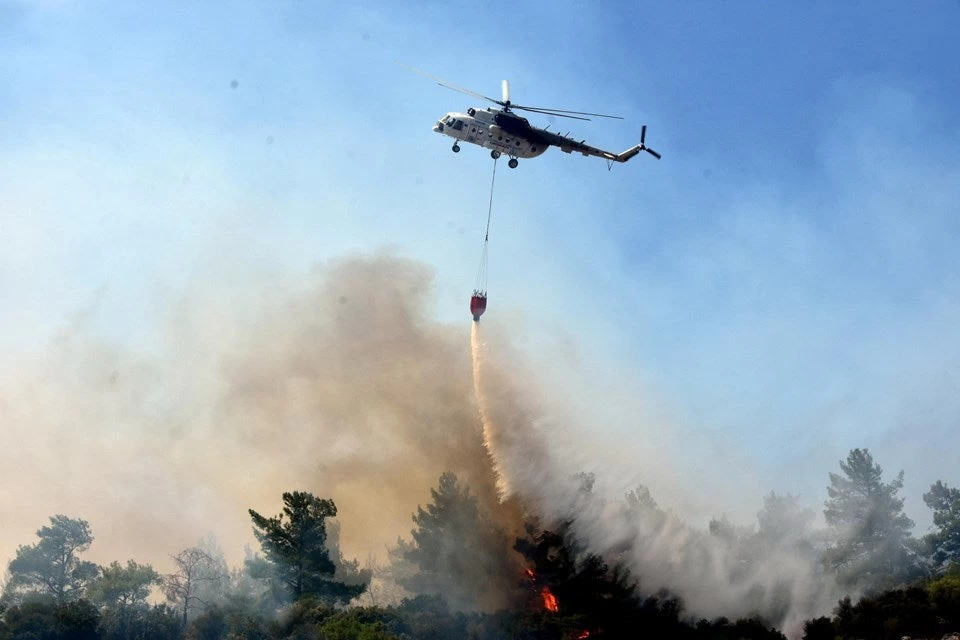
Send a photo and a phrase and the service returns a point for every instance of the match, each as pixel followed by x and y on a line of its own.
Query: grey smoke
pixel 337 382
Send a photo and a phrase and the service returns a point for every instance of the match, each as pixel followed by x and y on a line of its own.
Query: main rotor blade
pixel 505 90
pixel 443 83
pixel 559 111
pixel 653 153
pixel 643 134
pixel 550 113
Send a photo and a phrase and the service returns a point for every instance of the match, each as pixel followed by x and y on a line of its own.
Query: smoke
pixel 336 383
pixel 732 574
pixel 339 383
pixel 498 395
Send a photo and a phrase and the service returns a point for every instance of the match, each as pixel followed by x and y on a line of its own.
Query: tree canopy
pixel 945 541
pixel 457 551
pixel 195 567
pixel 294 544
pixel 52 566
pixel 123 586
pixel 871 534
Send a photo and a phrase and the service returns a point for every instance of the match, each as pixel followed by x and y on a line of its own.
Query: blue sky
pixel 781 287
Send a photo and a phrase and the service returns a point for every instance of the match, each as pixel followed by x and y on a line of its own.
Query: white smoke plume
pixel 715 575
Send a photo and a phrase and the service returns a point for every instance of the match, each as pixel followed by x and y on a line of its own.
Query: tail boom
pixel 632 151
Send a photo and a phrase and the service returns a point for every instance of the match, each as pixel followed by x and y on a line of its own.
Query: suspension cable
pixel 481 284
pixel 490 206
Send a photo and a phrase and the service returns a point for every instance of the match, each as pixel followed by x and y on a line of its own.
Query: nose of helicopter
pixel 439 125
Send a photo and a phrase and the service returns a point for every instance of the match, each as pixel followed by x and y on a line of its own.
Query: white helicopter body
pixel 506 133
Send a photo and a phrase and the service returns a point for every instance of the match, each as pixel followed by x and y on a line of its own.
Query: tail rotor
pixel 643 146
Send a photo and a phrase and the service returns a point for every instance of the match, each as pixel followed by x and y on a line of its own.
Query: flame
pixel 550 601
pixel 585 634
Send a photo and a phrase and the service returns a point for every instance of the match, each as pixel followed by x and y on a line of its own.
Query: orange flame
pixel 549 600
pixel 585 634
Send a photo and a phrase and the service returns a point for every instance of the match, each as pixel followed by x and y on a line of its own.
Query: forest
pixel 466 572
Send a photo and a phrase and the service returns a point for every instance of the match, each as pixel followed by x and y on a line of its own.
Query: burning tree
pixel 591 599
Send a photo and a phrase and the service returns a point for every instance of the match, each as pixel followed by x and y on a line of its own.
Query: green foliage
pixel 821 628
pixel 945 541
pixel 887 616
pixel 347 571
pixel 122 586
pixel 742 629
pixel 294 544
pixel 45 619
pixel 139 622
pixel 872 534
pixel 428 617
pixel 52 566
pixel 217 622
pixel 945 597
pixel 347 626
pixel 307 612
pixel 458 551
pixel 209 625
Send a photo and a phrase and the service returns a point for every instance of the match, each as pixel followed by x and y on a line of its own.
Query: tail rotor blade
pixel 505 90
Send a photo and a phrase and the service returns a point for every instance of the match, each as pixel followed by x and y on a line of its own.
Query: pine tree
pixel 457 552
pixel 297 557
pixel 872 542
pixel 52 566
pixel 945 541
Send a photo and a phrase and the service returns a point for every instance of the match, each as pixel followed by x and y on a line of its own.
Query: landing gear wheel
pixel 513 163
pixel 456 148
pixel 494 154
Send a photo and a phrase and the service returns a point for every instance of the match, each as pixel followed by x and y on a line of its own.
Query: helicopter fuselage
pixel 500 131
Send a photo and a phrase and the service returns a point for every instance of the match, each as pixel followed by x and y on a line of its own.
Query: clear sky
pixel 783 284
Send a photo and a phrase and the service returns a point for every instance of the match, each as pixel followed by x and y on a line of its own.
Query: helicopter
pixel 506 133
